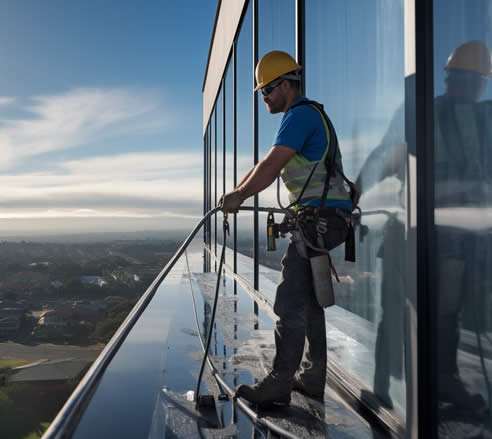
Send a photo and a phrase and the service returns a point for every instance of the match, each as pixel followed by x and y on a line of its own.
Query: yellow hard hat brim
pixel 259 86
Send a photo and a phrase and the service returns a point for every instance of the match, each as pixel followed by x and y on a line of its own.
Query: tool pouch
pixel 322 281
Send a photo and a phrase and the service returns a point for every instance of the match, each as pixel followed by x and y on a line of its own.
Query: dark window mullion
pixel 256 253
pixel 215 186
pixel 234 128
pixel 301 40
pixel 425 255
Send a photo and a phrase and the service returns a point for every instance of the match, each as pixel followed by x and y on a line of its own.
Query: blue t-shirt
pixel 302 129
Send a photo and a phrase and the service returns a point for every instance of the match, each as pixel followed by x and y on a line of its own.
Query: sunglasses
pixel 265 91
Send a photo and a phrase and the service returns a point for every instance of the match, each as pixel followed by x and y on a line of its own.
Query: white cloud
pixel 5 100
pixel 148 186
pixel 81 116
pixel 148 164
pixel 91 213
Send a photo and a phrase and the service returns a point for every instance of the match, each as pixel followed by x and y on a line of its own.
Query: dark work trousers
pixel 300 316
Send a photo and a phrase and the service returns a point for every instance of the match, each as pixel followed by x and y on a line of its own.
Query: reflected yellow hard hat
pixel 473 56
pixel 273 65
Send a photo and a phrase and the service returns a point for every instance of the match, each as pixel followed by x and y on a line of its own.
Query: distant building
pixel 25 281
pixel 57 284
pixel 54 319
pixel 148 271
pixel 11 319
pixel 84 310
pixel 39 264
pixel 93 280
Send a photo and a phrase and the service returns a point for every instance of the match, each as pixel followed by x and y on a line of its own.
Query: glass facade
pixel 213 182
pixel 365 63
pixel 229 147
pixel 245 146
pixel 463 221
pixel 357 71
pixel 220 151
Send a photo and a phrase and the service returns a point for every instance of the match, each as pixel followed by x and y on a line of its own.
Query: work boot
pixel 453 390
pixel 301 386
pixel 269 391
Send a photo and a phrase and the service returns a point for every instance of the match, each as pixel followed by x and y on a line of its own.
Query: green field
pixel 9 363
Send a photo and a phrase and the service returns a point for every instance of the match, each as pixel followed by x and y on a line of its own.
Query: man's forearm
pixel 245 178
pixel 259 178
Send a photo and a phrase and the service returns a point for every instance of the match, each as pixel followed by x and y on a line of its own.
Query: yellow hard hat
pixel 272 66
pixel 473 56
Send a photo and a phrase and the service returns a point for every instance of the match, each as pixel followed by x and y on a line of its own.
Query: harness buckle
pixel 322 226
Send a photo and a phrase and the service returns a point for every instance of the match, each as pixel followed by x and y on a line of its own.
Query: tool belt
pixel 319 216
pixel 305 214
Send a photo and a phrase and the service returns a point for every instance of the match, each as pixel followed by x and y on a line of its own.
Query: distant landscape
pixel 60 303
pixel 87 237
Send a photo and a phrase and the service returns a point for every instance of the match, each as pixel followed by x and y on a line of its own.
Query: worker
pixel 462 146
pixel 302 142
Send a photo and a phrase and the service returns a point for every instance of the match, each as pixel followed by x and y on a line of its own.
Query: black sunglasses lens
pixel 269 88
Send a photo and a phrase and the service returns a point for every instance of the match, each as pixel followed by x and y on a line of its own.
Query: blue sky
pixel 100 114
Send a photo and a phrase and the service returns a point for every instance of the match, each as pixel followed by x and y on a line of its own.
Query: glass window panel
pixel 220 163
pixel 207 197
pixel 213 181
pixel 276 31
pixel 211 195
pixel 355 67
pixel 463 218
pixel 206 141
pixel 229 142
pixel 245 152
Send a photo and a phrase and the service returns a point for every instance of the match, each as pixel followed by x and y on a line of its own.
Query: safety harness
pixel 295 221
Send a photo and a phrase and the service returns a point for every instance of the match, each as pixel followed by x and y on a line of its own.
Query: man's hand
pixel 230 202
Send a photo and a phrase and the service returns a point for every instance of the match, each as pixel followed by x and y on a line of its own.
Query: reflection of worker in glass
pixel 387 161
pixel 462 145
pixel 462 142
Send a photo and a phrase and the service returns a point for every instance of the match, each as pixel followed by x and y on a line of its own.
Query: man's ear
pixel 286 85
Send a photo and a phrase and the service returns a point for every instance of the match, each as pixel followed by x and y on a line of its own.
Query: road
pixel 48 351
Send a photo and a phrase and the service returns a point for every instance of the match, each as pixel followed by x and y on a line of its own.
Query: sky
pixel 101 114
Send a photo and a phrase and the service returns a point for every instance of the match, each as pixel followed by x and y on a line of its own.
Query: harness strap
pixel 330 159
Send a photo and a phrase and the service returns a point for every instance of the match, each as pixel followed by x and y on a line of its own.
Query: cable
pixel 200 337
pixel 225 231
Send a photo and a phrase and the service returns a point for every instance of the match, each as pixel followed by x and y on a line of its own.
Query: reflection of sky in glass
pixel 131 382
pixel 354 66
pixel 229 134
pixel 245 98
pixel 245 156
pixel 213 178
pixel 276 31
pixel 229 144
